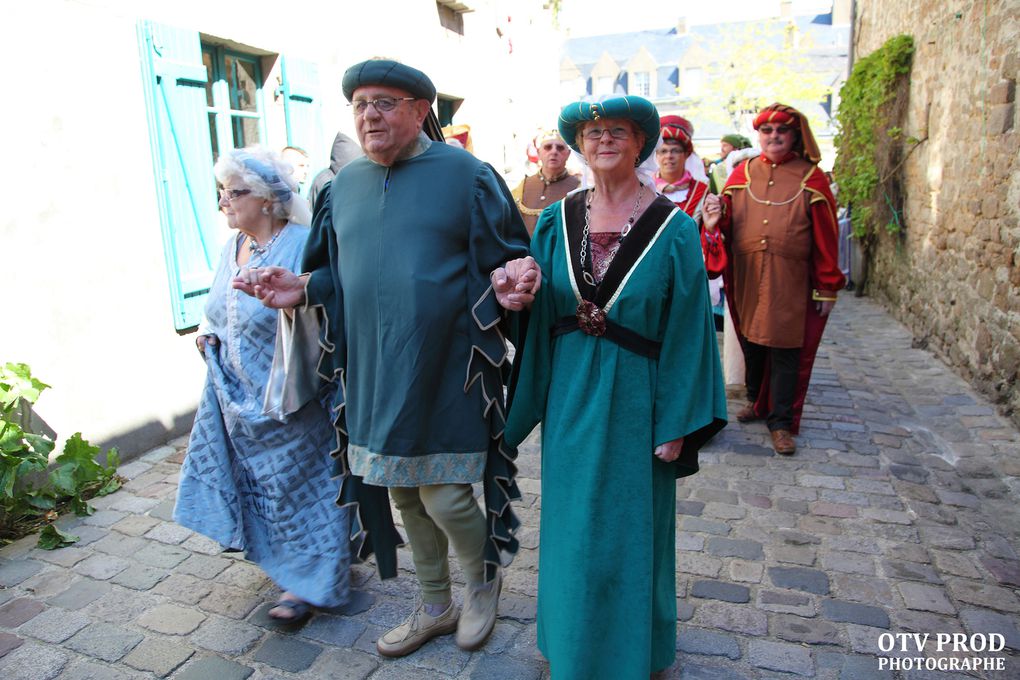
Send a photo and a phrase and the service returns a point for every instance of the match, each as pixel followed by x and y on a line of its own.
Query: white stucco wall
pixel 86 300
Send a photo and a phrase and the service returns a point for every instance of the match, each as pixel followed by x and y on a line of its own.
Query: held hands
pixel 276 287
pixel 669 451
pixel 517 283
pixel 711 211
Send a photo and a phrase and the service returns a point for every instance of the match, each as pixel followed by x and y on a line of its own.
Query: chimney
pixel 841 12
pixel 681 26
pixel 786 9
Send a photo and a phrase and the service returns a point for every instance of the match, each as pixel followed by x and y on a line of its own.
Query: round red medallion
pixel 591 319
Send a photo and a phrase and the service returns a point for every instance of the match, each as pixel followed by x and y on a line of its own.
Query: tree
pixel 756 64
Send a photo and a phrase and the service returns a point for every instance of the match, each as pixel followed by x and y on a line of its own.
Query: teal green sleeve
pixel 316 260
pixel 531 388
pixel 690 397
pixel 323 288
pixel 497 235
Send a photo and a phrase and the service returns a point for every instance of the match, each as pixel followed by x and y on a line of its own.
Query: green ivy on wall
pixel 866 134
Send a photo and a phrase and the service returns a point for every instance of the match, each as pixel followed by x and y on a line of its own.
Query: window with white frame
pixel 641 83
pixel 233 93
pixel 202 99
pixel 693 82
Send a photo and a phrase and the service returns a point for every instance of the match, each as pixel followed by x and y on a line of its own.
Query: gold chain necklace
pixel 764 202
pixel 546 183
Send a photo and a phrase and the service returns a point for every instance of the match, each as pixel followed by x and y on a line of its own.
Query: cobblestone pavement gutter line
pixel 899 514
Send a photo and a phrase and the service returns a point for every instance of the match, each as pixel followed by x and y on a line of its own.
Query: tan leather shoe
pixel 782 442
pixel 479 615
pixel 418 629
pixel 747 414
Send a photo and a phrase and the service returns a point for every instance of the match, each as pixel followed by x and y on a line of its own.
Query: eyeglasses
pixel 669 150
pixel 594 134
pixel 781 129
pixel 232 194
pixel 381 104
pixel 550 147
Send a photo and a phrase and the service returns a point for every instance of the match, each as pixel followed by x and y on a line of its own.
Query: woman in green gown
pixel 621 368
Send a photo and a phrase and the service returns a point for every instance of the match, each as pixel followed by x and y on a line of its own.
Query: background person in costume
pixel 681 175
pixel 719 171
pixel 298 159
pixel 398 263
pixel 249 482
pixel 550 184
pixel 620 366
pixel 681 179
pixel 779 222
pixel 459 134
pixel 733 149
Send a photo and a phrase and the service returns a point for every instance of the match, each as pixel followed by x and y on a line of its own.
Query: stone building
pixel 953 275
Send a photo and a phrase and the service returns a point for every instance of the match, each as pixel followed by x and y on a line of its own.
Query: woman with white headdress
pixel 681 176
pixel 250 482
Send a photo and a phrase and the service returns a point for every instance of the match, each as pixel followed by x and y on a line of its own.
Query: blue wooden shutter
pixel 303 111
pixel 174 80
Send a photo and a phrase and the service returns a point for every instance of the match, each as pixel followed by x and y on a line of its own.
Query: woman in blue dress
pixel 250 482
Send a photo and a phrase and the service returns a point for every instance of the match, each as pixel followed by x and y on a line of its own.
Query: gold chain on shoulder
pixel 525 210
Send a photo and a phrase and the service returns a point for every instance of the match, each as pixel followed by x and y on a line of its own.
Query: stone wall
pixel 953 275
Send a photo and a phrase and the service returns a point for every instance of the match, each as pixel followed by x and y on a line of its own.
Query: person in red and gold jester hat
pixel 675 179
pixel 778 218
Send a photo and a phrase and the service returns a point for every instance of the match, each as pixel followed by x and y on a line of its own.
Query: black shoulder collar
pixel 641 234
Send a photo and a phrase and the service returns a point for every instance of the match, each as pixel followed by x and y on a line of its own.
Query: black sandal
pixel 299 610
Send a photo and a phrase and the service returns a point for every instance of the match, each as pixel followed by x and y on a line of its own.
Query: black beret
pixel 390 73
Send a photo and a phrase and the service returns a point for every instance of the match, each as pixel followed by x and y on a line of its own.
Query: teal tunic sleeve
pixel 497 235
pixel 690 397
pixel 371 532
pixel 530 389
pixel 323 289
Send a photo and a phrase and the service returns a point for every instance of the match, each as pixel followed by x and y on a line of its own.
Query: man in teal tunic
pixel 398 263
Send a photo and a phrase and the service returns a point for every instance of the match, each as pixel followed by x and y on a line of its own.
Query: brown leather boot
pixel 782 442
pixel 747 414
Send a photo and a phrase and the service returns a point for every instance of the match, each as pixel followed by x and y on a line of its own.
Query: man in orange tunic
pixel 778 218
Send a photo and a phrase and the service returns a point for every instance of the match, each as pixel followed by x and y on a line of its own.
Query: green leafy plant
pixel 22 453
pixel 51 538
pixel 79 475
pixel 869 142
pixel 29 496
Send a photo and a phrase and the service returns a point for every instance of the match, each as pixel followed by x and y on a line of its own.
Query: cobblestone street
pixel 899 514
